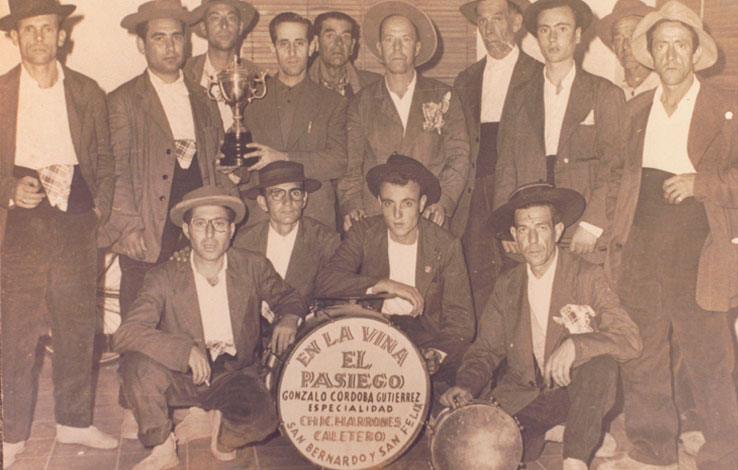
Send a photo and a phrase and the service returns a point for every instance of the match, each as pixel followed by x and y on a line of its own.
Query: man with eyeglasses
pixel 298 246
pixel 193 332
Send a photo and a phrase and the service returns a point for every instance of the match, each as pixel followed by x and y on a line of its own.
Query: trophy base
pixel 235 151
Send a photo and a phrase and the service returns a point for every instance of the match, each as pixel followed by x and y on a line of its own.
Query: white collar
pixel 221 273
pixel 408 91
pixel 548 275
pixel 508 61
pixel 160 85
pixel 565 83
pixel 291 235
pixel 689 97
pixel 26 77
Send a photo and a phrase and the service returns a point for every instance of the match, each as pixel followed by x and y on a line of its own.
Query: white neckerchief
pixel 555 108
pixel 402 262
pixel 665 142
pixel 495 83
pixel 402 105
pixel 215 311
pixel 175 99
pixel 539 299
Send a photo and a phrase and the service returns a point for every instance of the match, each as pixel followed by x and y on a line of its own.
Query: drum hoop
pixel 426 406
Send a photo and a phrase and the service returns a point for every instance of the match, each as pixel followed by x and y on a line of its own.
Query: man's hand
pixel 403 291
pixel 182 256
pixel 435 213
pixel 432 359
pixel 558 367
pixel 198 363
pixel 679 187
pixel 267 155
pixel 133 245
pixel 510 246
pixel 28 193
pixel 455 397
pixel 284 334
pixel 582 242
pixel 354 215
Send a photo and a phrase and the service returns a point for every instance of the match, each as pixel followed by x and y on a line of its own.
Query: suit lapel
pixel 524 327
pixel 376 262
pixel 8 119
pixel 415 117
pixel 579 105
pixel 300 260
pixel 74 111
pixel 638 126
pixel 188 307
pixel 559 297
pixel 429 257
pixel 199 110
pixel 705 126
pixel 235 285
pixel 535 108
pixel 151 105
pixel 387 106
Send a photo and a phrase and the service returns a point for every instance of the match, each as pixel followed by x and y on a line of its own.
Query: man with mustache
pixel 566 126
pixel 338 34
pixel 405 113
pixel 484 89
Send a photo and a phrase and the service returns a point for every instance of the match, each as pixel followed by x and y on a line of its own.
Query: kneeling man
pixel 558 324
pixel 192 336
pixel 402 253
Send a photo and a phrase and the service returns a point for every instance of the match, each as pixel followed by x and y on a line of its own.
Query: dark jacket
pixel 88 126
pixel 165 322
pixel 505 330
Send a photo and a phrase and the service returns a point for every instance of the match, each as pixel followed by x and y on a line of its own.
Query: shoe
pixel 129 426
pixel 214 447
pixel 195 425
pixel 627 463
pixel 90 437
pixel 162 456
pixel 608 448
pixel 574 464
pixel 692 442
pixel 555 434
pixel 10 450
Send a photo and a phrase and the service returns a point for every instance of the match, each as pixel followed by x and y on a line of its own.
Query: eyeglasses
pixel 220 224
pixel 278 194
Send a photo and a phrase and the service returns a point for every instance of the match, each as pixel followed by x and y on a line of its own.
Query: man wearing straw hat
pixel 56 187
pixel 224 24
pixel 484 90
pixel 558 324
pixel 674 249
pixel 405 113
pixel 192 336
pixel 616 31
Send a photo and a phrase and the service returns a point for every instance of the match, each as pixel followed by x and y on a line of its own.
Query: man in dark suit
pixel 484 89
pixel 402 253
pixel 56 186
pixel 299 120
pixel 192 337
pixel 405 113
pixel 337 35
pixel 566 125
pixel 298 246
pixel 674 247
pixel 558 325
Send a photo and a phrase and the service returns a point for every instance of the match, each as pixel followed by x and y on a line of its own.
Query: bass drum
pixel 354 393
pixel 476 436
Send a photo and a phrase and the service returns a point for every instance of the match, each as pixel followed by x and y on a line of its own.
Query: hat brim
pixel 469 9
pixel 7 22
pixel 309 186
pixel 426 31
pixel 131 21
pixel 604 26
pixel 639 43
pixel 581 10
pixel 429 184
pixel 177 213
pixel 569 204
pixel 247 12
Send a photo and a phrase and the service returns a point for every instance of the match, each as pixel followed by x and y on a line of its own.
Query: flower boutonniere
pixel 434 112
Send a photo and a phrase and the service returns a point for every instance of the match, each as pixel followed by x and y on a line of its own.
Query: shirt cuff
pixel 593 229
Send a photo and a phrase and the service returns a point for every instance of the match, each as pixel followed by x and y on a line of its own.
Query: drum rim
pixel 426 406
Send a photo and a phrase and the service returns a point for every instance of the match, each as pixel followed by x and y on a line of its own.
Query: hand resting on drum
pixel 403 291
pixel 455 397
pixel 284 334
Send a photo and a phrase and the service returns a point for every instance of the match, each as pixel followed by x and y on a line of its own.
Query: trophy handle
pixel 253 88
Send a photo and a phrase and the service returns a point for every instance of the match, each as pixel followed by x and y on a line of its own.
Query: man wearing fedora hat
pixel 193 332
pixel 483 89
pixel 559 326
pixel 420 263
pixel 224 24
pixel 56 187
pixel 405 113
pixel 566 125
pixel 674 248
pixel 616 30
pixel 298 246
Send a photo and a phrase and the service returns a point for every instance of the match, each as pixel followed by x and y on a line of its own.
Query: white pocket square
pixel 590 119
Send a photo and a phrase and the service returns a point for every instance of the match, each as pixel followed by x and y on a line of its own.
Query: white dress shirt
pixel 554 105
pixel 279 248
pixel 495 82
pixel 402 261
pixel 214 311
pixel 665 142
pixel 209 74
pixel 402 104
pixel 175 99
pixel 42 135
pixel 539 299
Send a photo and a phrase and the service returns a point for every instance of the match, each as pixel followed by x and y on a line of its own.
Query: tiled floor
pixel 44 453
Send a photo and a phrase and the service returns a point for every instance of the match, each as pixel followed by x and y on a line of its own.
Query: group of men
pixel 485 211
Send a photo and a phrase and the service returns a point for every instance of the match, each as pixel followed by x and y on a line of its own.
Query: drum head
pixel 476 436
pixel 353 394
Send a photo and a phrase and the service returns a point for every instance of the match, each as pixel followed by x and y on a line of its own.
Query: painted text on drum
pixel 369 334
